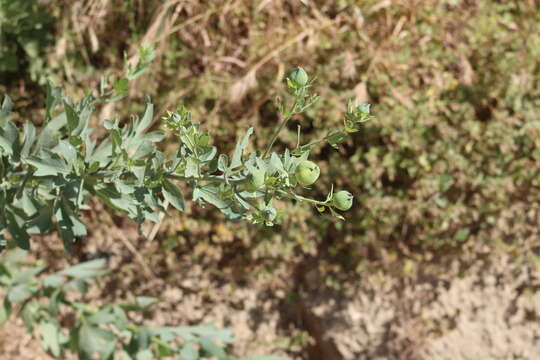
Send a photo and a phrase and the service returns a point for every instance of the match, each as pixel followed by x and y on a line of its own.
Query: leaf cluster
pixel 107 330
pixel 24 33
pixel 48 178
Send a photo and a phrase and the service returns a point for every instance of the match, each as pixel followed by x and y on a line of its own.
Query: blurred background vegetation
pixel 448 169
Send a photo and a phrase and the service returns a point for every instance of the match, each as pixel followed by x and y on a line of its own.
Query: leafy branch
pixel 105 330
pixel 46 179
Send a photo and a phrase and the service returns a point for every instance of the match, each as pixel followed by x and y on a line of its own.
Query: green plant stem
pixel 205 178
pixel 294 196
pixel 155 339
pixel 158 341
pixel 314 142
pixel 281 126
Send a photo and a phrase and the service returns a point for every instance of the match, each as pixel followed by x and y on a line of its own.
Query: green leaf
pixel 189 352
pixel 79 285
pixel 50 337
pixel 265 357
pixel 276 165
pixel 212 195
pixel 223 163
pixel 144 148
pixel 145 301
pixel 208 154
pixel 104 316
pixel 146 55
pixel 121 86
pixel 53 98
pixel 154 136
pixel 42 222
pixel 71 115
pixel 20 293
pixel 210 331
pixel 93 339
pixel 9 140
pixel 121 319
pixel 146 120
pixel 28 204
pixel 462 234
pixel 102 154
pixel 14 257
pixel 336 137
pixel 173 195
pixel 143 338
pixel 18 233
pixel 48 164
pixel 239 150
pixel 5 110
pixel 211 348
pixel 67 151
pixel 54 299
pixel 84 117
pixel 85 270
pixel 51 132
pixel 3 241
pixel 30 312
pixel 68 225
pixel 26 276
pixel 124 188
pixel 144 355
pixel 53 281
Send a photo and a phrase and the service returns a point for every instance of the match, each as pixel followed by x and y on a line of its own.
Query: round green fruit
pixel 270 214
pixel 299 77
pixel 255 181
pixel 307 172
pixel 342 200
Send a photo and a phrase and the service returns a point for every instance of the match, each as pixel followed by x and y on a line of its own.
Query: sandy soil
pixel 487 312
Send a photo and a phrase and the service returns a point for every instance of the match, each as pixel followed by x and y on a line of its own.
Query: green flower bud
pixel 299 77
pixel 256 180
pixel 342 200
pixel 307 172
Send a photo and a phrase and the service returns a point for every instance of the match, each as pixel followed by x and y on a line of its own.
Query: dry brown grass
pixel 226 60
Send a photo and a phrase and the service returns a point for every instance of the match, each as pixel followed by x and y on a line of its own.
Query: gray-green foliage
pixel 51 175
pixel 105 330
pixel 24 33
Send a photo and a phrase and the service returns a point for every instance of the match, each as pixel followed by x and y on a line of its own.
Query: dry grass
pixel 226 60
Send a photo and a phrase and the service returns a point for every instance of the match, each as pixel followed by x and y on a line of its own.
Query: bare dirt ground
pixel 490 311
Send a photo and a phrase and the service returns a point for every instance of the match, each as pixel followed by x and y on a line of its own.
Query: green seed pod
pixel 307 172
pixel 255 181
pixel 299 77
pixel 342 200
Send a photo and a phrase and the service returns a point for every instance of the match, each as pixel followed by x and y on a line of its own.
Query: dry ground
pixel 488 311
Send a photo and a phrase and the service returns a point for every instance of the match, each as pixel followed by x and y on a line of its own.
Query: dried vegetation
pixel 446 177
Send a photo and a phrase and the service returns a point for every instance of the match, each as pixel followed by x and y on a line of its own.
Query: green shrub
pixel 106 330
pixel 53 174
pixel 25 31
pixel 47 179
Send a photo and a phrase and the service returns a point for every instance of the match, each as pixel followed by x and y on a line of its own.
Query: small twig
pixel 156 227
pixel 138 257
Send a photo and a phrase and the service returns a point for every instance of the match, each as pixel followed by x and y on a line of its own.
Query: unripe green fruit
pixel 342 200
pixel 255 182
pixel 307 172
pixel 299 77
pixel 270 214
